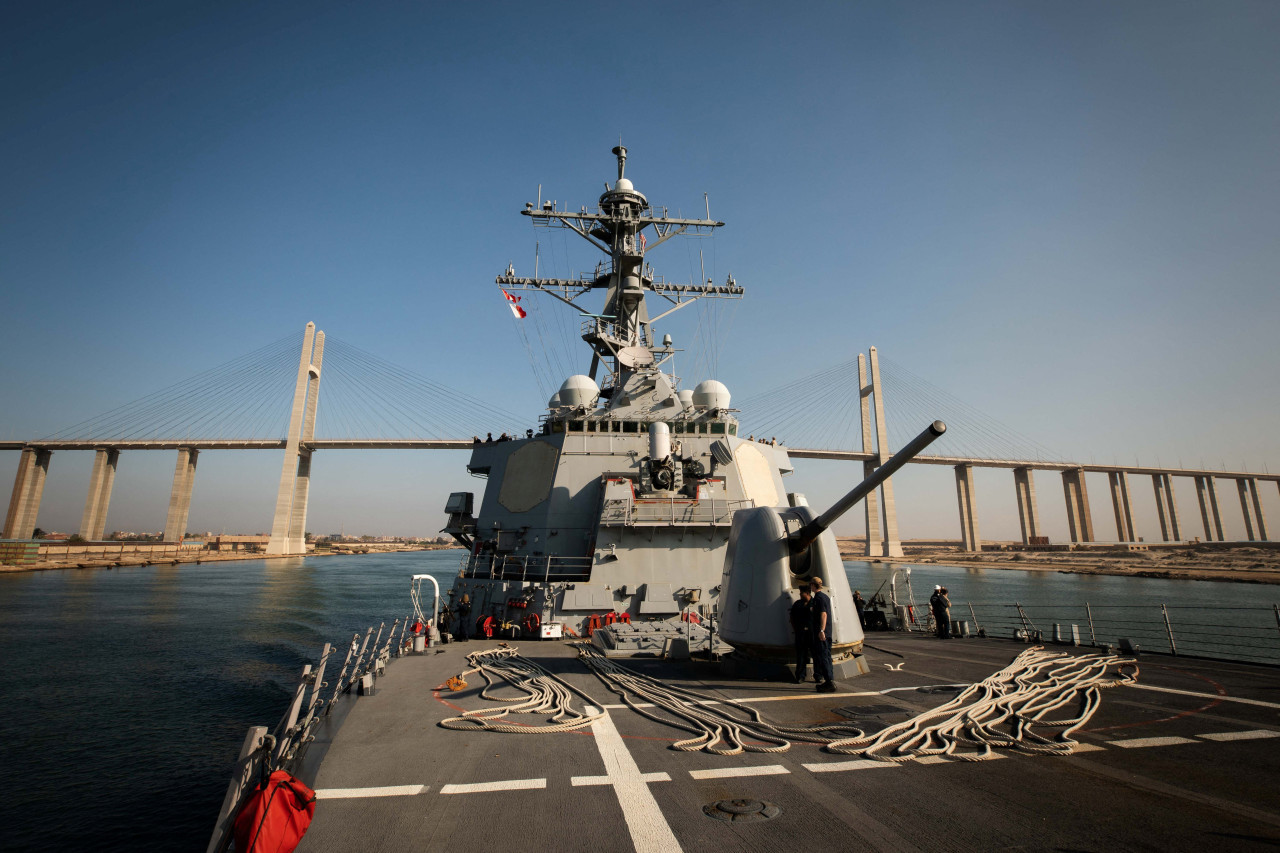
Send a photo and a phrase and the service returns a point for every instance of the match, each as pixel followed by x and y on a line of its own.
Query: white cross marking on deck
pixel 504 785
pixel 649 829
pixel 1134 743
pixel 579 781
pixel 385 791
pixel 1256 734
pixel 734 772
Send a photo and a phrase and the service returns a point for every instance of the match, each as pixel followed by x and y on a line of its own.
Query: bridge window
pixel 557 426
pixel 702 428
pixel 630 426
pixel 717 429
pixel 591 426
pixel 679 428
pixel 615 426
pixel 733 429
pixel 575 426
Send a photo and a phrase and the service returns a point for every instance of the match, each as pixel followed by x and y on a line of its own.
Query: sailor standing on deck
pixel 802 625
pixel 941 606
pixel 823 628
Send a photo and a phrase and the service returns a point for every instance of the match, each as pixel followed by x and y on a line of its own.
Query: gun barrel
pixel 805 536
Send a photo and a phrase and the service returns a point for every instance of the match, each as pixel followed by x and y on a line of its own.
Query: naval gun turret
pixel 773 552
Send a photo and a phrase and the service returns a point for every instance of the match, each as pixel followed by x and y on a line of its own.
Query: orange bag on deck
pixel 276 817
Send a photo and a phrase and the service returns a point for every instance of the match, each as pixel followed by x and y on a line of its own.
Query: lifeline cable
pixel 1003 711
pixel 711 719
pixel 547 692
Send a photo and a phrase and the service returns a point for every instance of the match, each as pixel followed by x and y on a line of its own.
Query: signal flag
pixel 513 302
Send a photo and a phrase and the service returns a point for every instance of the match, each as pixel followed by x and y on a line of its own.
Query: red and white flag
pixel 642 241
pixel 513 302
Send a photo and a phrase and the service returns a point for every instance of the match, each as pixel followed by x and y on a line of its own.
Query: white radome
pixel 623 186
pixel 554 402
pixel 579 390
pixel 711 394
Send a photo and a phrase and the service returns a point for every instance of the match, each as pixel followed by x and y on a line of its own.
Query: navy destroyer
pixel 637 517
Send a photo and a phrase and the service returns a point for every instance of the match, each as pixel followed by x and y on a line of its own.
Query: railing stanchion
pixel 1168 626
pixel 1093 640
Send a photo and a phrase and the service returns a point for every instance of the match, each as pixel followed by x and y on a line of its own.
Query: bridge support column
pixel 94 521
pixel 184 481
pixel 1119 481
pixel 1079 519
pixel 1166 508
pixel 1207 493
pixel 968 509
pixel 1253 520
pixel 892 545
pixel 1028 513
pixel 871 503
pixel 294 464
pixel 302 484
pixel 28 488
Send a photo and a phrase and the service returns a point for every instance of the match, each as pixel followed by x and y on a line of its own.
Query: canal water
pixel 127 693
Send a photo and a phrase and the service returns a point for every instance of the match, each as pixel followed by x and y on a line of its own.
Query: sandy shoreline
pixel 1257 562
pixel 199 557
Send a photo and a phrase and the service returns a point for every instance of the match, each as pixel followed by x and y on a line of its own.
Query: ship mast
pixel 621 336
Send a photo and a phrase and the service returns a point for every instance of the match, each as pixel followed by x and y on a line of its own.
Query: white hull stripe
pixel 385 791
pixel 504 785
pixel 733 772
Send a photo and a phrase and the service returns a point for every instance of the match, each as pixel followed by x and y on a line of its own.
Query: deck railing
pixel 542 568
pixel 1246 633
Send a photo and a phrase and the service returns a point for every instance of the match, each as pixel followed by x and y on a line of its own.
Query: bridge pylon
pixel 288 528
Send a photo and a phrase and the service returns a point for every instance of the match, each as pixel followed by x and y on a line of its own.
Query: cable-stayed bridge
pixel 856 411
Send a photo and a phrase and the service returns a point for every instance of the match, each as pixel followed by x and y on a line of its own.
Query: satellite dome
pixel 686 398
pixel 554 402
pixel 624 186
pixel 579 391
pixel 710 394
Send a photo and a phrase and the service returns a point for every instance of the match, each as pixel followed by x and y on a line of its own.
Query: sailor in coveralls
pixel 823 629
pixel 802 625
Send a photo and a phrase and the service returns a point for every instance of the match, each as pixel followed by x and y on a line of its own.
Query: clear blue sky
pixel 1064 213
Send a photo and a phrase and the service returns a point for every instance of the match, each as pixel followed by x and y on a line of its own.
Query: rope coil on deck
pixel 548 694
pixel 717 729
pixel 1003 710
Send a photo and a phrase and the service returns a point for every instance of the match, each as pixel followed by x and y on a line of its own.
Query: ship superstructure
pixel 621 500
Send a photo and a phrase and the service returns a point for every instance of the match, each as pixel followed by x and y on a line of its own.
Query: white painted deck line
pixel 733 772
pixel 1255 734
pixel 840 766
pixel 650 832
pixel 503 785
pixel 385 791
pixel 747 701
pixel 580 781
pixel 1236 699
pixel 1139 742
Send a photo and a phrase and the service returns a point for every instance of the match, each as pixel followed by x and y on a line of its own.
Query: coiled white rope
pixel 1003 710
pixel 721 726
pixel 547 694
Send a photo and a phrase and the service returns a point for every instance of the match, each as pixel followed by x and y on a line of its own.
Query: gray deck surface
pixel 1131 794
